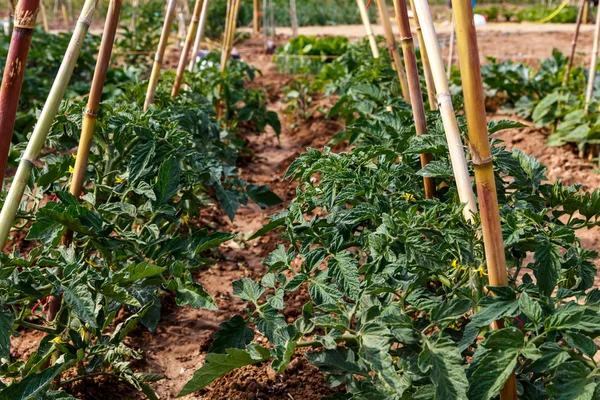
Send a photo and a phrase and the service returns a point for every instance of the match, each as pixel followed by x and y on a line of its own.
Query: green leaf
pixel 263 196
pixel 444 365
pixel 248 290
pixel 494 362
pixel 340 362
pixel 343 269
pixel 547 266
pixel 276 223
pixel 136 272
pixel 140 159
pixel 193 294
pixel 46 229
pixel 571 382
pixel 168 181
pixel 217 365
pixel 323 292
pixel 202 240
pixel 500 125
pixel 294 283
pixel 55 395
pixel 79 299
pixel 32 385
pixel 6 327
pixel 552 356
pixel 279 258
pixel 436 169
pixel 451 310
pixel 582 343
pixel 233 334
pixel 119 294
pixel 530 308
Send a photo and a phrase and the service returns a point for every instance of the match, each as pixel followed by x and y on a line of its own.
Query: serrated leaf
pixel 547 266
pixel 32 385
pixel 530 308
pixel 343 269
pixel 436 169
pixel 444 365
pixel 500 125
pixel 248 290
pixel 119 294
pixel 80 301
pixel 263 196
pixel 232 334
pixel 136 272
pixel 168 181
pixel 193 294
pixel 217 365
pixel 571 382
pixel 6 327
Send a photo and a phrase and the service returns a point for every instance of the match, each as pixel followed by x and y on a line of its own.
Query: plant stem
pixel 455 144
pixel 414 86
pixel 393 49
pixel 14 71
pixel 191 33
pixel 482 158
pixel 368 29
pixel 38 137
pixel 160 53
pixel 199 34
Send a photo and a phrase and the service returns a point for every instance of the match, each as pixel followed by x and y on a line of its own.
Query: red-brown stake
pixel 14 71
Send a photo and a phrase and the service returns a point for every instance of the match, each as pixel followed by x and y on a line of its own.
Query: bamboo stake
pixel 256 17
pixel 593 65
pixel 368 29
pixel 186 48
pixel 89 117
pixel 12 81
pixel 425 61
pixel 38 137
pixel 574 44
pixel 160 52
pixel 199 34
pixel 65 14
pixel 414 85
pixel 135 4
pixel 265 25
pixel 451 48
pixel 230 27
pixel 455 144
pixel 293 18
pixel 393 49
pixel 44 17
pixel 468 53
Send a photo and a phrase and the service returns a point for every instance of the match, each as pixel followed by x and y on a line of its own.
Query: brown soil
pixel 179 345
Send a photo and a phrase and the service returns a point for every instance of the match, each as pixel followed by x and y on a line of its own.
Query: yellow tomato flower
pixel 185 220
pixel 409 197
pixel 74 155
pixel 119 180
pixel 481 271
pixel 90 262
pixel 456 265
pixel 71 169
pixel 58 340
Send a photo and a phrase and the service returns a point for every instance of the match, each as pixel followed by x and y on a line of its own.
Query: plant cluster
pixel 400 306
pixel 131 237
pixel 306 54
pixel 504 13
pixel 540 96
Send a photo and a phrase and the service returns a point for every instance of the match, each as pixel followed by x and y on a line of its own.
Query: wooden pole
pixel 256 17
pixel 293 18
pixel 65 14
pixel 474 98
pixel 191 33
pixel 593 65
pixel 451 48
pixel 364 15
pixel 455 144
pixel 199 35
pixel 574 44
pixel 44 17
pixel 38 137
pixel 160 52
pixel 14 71
pixel 425 61
pixel 393 48
pixel 414 85
pixel 230 27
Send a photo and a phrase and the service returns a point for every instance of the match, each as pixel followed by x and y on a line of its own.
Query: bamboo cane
pixel 470 71
pixel 38 137
pixel 574 44
pixel 393 49
pixel 455 144
pixel 12 81
pixel 133 24
pixel 451 48
pixel 160 52
pixel 199 34
pixel 65 15
pixel 265 25
pixel 293 18
pixel 44 17
pixel 230 27
pixel 256 17
pixel 593 65
pixel 368 29
pixel 186 48
pixel 586 12
pixel 414 85
pixel 425 61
